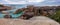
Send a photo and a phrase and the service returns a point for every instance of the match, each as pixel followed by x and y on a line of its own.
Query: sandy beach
pixel 38 20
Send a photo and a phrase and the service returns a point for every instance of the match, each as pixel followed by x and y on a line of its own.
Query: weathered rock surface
pixel 38 20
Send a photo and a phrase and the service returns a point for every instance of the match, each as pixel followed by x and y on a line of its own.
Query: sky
pixel 33 2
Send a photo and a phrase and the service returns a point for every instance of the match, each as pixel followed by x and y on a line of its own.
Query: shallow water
pixel 13 10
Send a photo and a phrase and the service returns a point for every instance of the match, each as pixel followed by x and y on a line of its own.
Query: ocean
pixel 15 7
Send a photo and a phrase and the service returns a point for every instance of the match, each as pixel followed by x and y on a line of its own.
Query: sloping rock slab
pixel 38 20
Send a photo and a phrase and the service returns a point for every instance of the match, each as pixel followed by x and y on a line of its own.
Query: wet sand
pixel 37 20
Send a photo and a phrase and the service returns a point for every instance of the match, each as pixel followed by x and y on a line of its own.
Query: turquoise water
pixel 12 14
pixel 12 11
pixel 2 15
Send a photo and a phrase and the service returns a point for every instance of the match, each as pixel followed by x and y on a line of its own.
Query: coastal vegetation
pixel 56 16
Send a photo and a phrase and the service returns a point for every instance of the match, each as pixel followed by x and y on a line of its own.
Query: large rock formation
pixel 38 20
pixel 44 10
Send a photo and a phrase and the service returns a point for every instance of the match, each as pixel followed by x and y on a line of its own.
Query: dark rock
pixel 7 16
pixel 17 11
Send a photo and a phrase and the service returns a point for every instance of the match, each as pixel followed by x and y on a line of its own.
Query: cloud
pixel 1 3
pixel 23 1
pixel 40 2
pixel 35 0
pixel 12 2
pixel 52 1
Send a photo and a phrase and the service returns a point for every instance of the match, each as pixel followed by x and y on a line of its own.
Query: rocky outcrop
pixel 7 16
pixel 37 20
pixel 3 8
pixel 18 11
pixel 44 10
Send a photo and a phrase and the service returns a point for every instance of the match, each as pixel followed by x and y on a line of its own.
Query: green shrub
pixel 56 17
